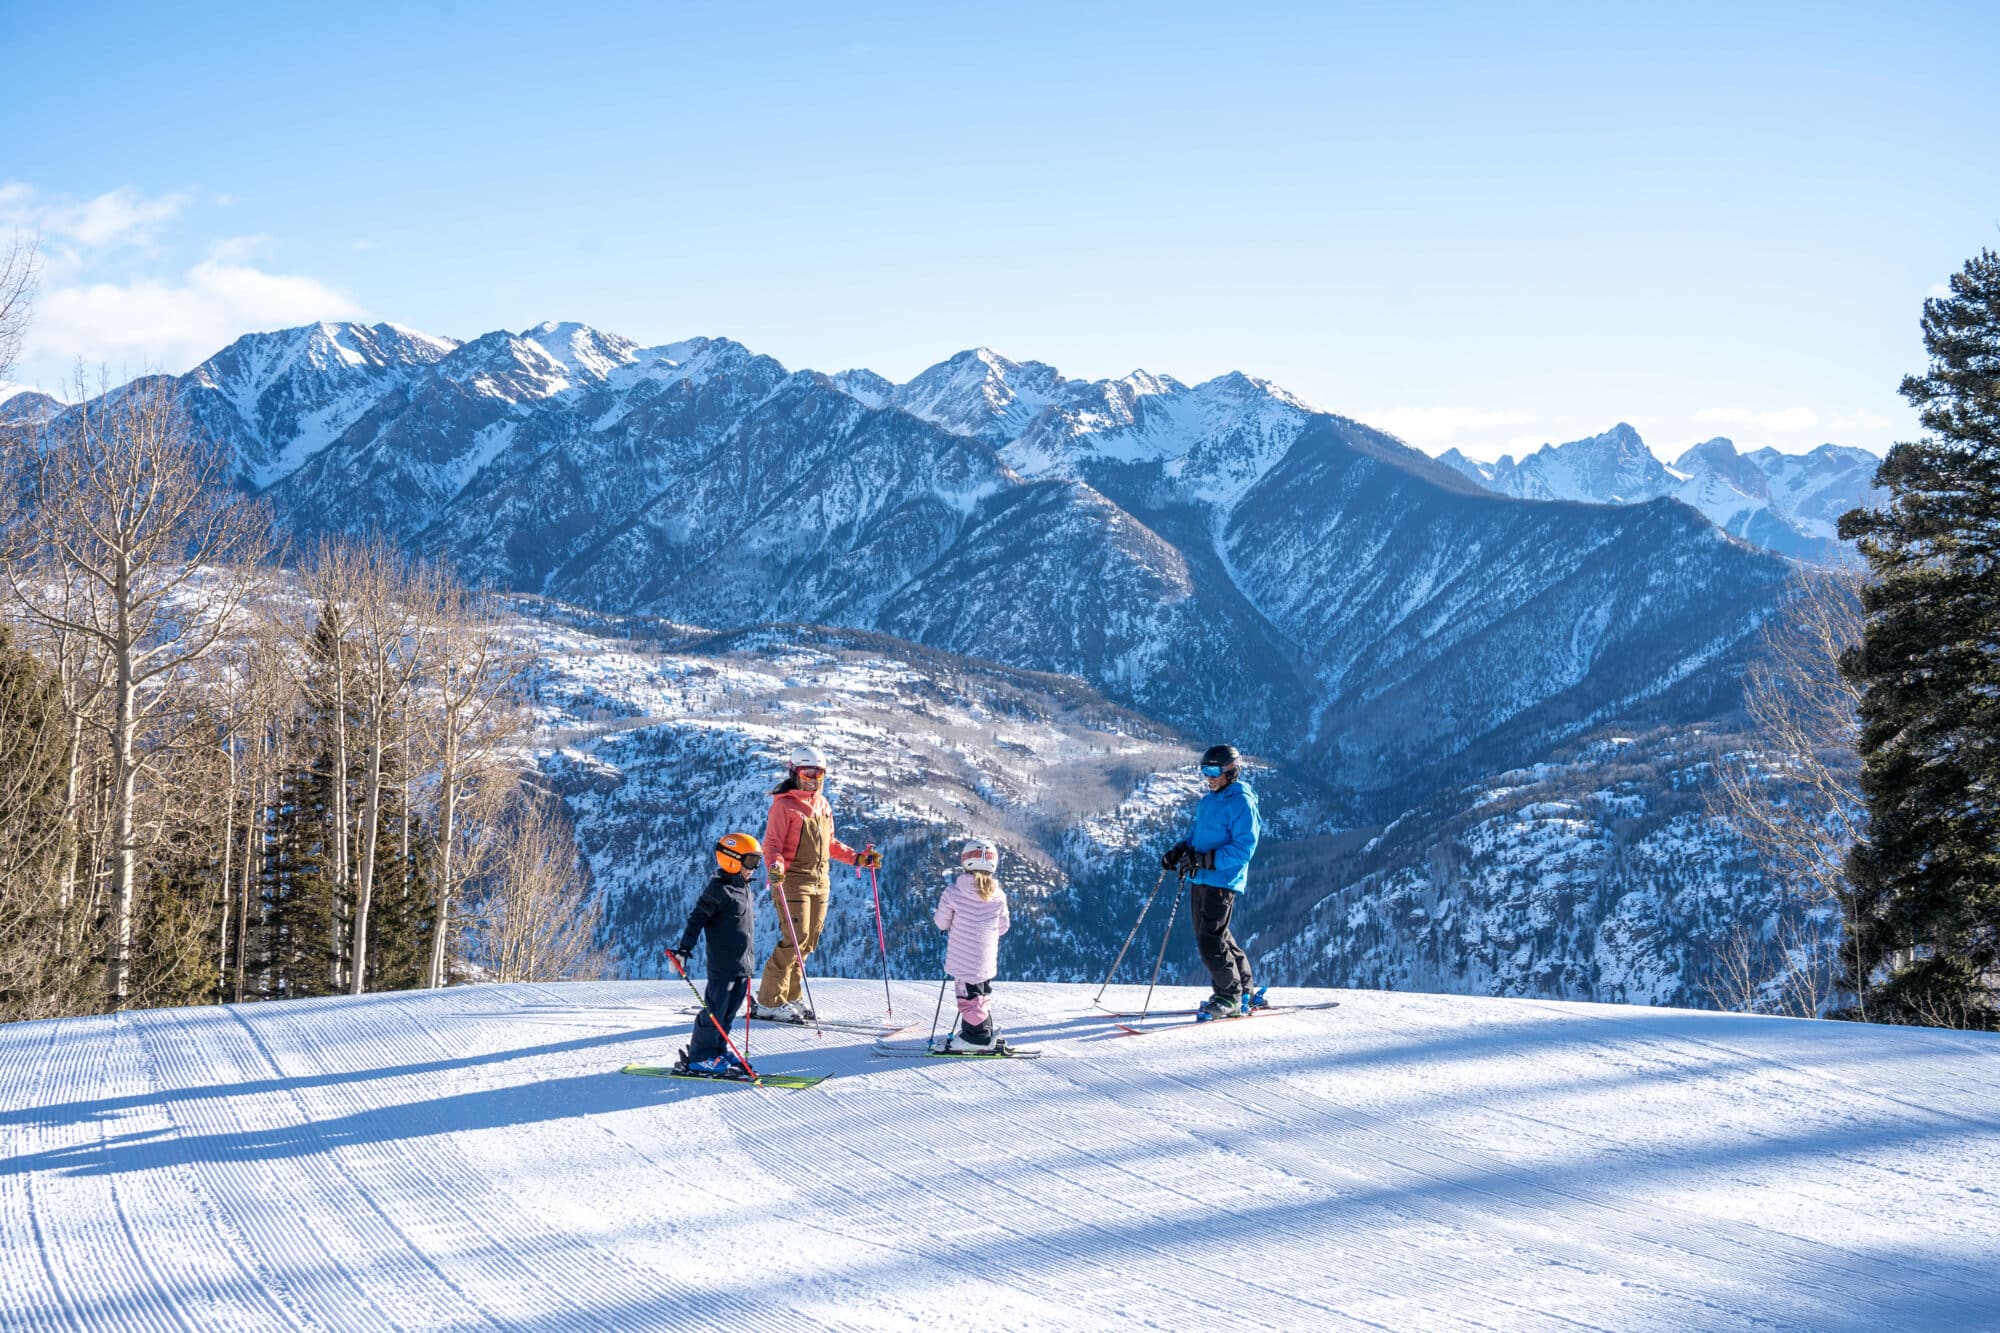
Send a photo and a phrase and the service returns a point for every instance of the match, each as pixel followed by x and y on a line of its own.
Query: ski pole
pixel 931 1041
pixel 1179 891
pixel 1131 935
pixel 715 1022
pixel 798 954
pixel 882 939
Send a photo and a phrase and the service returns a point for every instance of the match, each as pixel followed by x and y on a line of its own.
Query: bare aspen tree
pixel 391 642
pixel 331 575
pixel 122 491
pixel 1797 799
pixel 536 920
pixel 469 716
pixel 18 269
pixel 272 697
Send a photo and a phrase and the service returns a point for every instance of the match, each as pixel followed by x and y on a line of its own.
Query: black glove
pixel 1201 860
pixel 1174 858
pixel 681 956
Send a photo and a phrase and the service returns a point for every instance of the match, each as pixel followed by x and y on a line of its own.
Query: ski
pixel 792 1081
pixel 843 1024
pixel 1126 1029
pixel 932 1052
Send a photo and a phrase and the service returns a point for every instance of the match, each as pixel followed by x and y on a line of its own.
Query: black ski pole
pixel 1130 935
pixel 1179 892
pixel 930 1043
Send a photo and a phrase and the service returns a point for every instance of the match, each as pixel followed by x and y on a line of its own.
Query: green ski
pixel 793 1081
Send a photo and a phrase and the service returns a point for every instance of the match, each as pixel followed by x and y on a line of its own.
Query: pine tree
pixel 1925 904
pixel 50 944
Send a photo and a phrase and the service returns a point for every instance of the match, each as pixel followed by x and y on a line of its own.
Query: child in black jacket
pixel 724 913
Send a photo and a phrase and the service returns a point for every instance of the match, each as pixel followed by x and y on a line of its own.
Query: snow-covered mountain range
pixel 1221 556
pixel 1789 503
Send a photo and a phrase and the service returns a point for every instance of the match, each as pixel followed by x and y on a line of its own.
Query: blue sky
pixel 1472 226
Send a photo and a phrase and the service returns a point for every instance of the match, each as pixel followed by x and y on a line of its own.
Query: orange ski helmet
pixel 737 853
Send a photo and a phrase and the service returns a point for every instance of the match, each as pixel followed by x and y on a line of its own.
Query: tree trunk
pixel 447 820
pixel 228 838
pixel 371 823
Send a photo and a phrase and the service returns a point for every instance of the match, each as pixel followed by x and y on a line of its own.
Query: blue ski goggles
pixel 1213 770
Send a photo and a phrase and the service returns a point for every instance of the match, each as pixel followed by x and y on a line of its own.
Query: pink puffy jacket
pixel 972 953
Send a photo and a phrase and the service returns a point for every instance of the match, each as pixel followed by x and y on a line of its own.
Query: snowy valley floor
pixel 474 1159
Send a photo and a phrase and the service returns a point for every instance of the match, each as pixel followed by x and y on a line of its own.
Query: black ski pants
pixel 1228 965
pixel 724 998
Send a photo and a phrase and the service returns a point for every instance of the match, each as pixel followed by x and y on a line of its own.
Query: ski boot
pixel 785 1011
pixel 716 1066
pixel 1254 1000
pixel 968 1040
pixel 1217 1006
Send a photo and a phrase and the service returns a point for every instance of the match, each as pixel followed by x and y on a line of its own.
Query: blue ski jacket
pixel 1226 823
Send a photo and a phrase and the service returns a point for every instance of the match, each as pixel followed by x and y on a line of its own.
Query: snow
pixel 472 1158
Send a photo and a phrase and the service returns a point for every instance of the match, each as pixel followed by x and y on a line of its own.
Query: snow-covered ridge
pixel 1789 503
pixel 472 1158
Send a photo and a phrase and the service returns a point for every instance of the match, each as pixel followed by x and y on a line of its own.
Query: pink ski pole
pixel 881 938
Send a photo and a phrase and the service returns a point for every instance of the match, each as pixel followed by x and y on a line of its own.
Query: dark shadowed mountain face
pixel 1223 556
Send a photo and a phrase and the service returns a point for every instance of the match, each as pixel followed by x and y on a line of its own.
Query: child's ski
pixel 793 1081
pixel 929 1052
pixel 1127 1030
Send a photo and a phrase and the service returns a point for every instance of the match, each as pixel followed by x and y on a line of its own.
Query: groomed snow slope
pixel 473 1159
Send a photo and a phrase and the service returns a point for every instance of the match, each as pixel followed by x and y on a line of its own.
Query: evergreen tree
pixel 1925 904
pixel 50 941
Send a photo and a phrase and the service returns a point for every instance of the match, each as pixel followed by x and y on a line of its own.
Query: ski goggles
pixel 810 772
pixel 1213 770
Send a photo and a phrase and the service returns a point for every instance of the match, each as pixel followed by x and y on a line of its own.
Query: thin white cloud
pixel 173 325
pixel 1786 419
pixel 125 216
pixel 1439 425
pixel 237 249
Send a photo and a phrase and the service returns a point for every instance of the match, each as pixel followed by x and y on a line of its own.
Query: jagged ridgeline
pixel 1223 556
pixel 1215 560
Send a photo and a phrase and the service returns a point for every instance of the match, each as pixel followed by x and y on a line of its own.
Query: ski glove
pixel 1178 857
pixel 681 956
pixel 868 858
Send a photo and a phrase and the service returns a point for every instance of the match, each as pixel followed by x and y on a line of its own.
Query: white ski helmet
pixel 979 854
pixel 808 756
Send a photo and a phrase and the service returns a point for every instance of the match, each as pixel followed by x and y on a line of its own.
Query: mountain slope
pixel 470 1158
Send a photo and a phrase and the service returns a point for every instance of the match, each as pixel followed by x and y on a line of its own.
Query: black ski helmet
pixel 1223 757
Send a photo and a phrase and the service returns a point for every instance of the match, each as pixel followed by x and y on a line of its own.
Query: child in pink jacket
pixel 974 911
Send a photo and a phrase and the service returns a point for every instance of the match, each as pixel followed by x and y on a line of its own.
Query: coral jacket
pixel 789 812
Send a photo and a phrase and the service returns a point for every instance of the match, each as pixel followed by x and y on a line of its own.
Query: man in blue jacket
pixel 1216 857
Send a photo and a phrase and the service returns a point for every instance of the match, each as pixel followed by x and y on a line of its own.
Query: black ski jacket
pixel 725 914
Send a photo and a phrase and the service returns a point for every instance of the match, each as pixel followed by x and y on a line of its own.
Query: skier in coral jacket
pixel 1215 857
pixel 799 848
